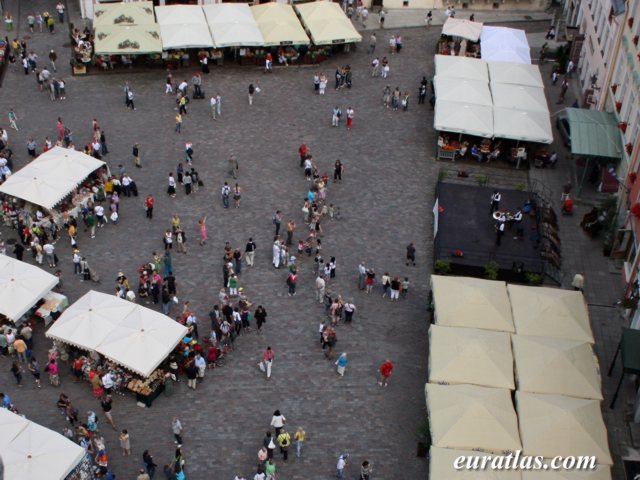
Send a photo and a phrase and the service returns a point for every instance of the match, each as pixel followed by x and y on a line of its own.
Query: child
pixel 405 287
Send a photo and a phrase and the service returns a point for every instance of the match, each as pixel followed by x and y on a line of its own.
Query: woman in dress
pixel 202 223
pixel 125 443
pixel 237 194
pixel 276 254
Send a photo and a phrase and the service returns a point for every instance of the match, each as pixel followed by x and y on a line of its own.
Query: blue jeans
pixel 340 474
pixel 225 201
pixel 298 448
pixel 165 310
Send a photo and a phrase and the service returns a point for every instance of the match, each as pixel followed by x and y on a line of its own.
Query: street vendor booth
pixel 441 461
pixel 470 355
pixel 596 147
pixel 21 286
pixel 485 305
pixel 279 25
pixel 502 44
pixel 30 451
pixel 327 23
pixel 458 27
pixel 135 337
pixel 183 27
pixel 55 175
pixel 232 25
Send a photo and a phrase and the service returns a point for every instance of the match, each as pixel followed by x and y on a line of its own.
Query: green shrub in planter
pixel 442 267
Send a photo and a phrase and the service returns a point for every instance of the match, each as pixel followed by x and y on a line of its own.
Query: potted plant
pixel 423 435
pixel 491 270
pixel 442 267
pixel 533 278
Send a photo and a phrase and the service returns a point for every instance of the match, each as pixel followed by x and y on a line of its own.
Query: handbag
pixel 271 445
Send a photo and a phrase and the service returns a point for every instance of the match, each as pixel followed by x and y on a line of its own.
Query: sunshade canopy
pixel 21 286
pixel 601 472
pixel 515 73
pixel 29 450
pixel 457 27
pixel 556 366
pixel 471 302
pixel 441 462
pixel 552 425
pixel 123 14
pixel 52 176
pixel 133 336
pixel 183 26
pixel 279 24
pixel 550 312
pixel 327 23
pixel 469 417
pixel 525 125
pixel 233 25
pixel 502 44
pixel 519 97
pixel 470 355
pixel 462 90
pixel 466 118
pixel 461 67
pixel 128 40
pixel 594 133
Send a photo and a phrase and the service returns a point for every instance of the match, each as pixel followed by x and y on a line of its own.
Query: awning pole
pixel 584 174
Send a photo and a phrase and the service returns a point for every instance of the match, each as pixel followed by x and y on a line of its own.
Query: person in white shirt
pixel 201 365
pixel 126 184
pixel 131 296
pixel 320 288
pixel 183 87
pixel 107 382
pixel 99 211
pixel 49 254
pixel 375 67
pixel 342 463
pixel 213 102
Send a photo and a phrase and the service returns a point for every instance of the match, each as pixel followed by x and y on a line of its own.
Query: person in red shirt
pixel 148 205
pixel 385 373
pixel 303 153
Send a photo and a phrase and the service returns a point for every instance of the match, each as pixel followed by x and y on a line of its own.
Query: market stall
pixel 486 304
pixel 232 25
pixel 183 26
pixel 21 286
pixel 550 312
pixel 457 27
pixel 31 451
pixel 515 73
pixel 556 366
pixel 553 425
pixel 461 67
pixel 502 44
pixel 470 355
pixel 279 24
pixel 469 417
pixel 327 24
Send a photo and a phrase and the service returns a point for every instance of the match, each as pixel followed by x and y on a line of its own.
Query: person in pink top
pixel 267 362
pixel 203 230
pixel 54 379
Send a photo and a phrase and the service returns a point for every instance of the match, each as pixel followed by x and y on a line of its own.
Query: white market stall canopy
pixel 502 44
pixel 279 25
pixel 136 337
pixel 553 425
pixel 466 118
pixel 123 14
pixel 556 366
pixel 457 27
pixel 515 73
pixel 470 355
pixel 31 451
pixel 128 40
pixel 471 302
pixel 52 176
pixel 462 90
pixel 441 462
pixel 550 312
pixel 469 417
pixel 327 23
pixel 183 26
pixel 233 25
pixel 462 67
pixel 525 125
pixel 21 286
pixel 519 97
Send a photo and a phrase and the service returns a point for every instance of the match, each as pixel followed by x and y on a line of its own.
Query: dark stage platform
pixel 464 223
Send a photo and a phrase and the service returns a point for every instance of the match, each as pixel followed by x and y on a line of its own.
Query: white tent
pixel 515 73
pixel 327 23
pixel 469 417
pixel 502 44
pixel 279 24
pixel 525 125
pixel 471 302
pixel 457 27
pixel 21 286
pixel 31 451
pixel 183 26
pixel 466 118
pixel 519 97
pixel 233 25
pixel 441 467
pixel 601 472
pixel 133 336
pixel 550 312
pixel 461 67
pixel 49 178
pixel 557 366
pixel 552 425
pixel 462 90
pixel 470 355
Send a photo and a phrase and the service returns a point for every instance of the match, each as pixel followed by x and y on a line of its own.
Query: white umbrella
pixel 233 25
pixel 461 67
pixel 466 118
pixel 462 90
pixel 457 27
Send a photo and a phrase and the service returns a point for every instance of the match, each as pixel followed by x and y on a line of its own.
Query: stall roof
pixel 485 305
pixel 552 425
pixel 601 472
pixel 29 450
pixel 136 337
pixel 21 286
pixel 594 133
pixel 502 44
pixel 526 125
pixel 279 24
pixel 469 417
pixel 470 355
pixel 327 23
pixel 52 176
pixel 515 73
pixel 183 26
pixel 519 97
pixel 123 14
pixel 462 90
pixel 556 366
pixel 441 462
pixel 550 312
pixel 128 40
pixel 461 67
pixel 233 25
pixel 466 118
pixel 457 27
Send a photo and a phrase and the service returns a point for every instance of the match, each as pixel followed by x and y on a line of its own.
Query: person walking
pixel 225 193
pixel 292 279
pixel 284 442
pixel 249 252
pixel 342 364
pixel 202 225
pixel 13 119
pixel 564 86
pixel 291 227
pixel 372 43
pixel 252 91
pixel 16 370
pixel 366 469
pixel 277 422
pixel 267 362
pixel 261 317
pixel 277 221
pixel 385 373
pixel 148 206
pixel 176 428
pixel 135 152
pixel 149 464
pixel 232 168
pixel 341 465
pixel 411 254
pixel 125 442
pixel 335 118
pixel 320 288
pixel 299 438
pixel 178 119
pixel 107 406
pixel 34 369
pixel 495 201
pixel 350 115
